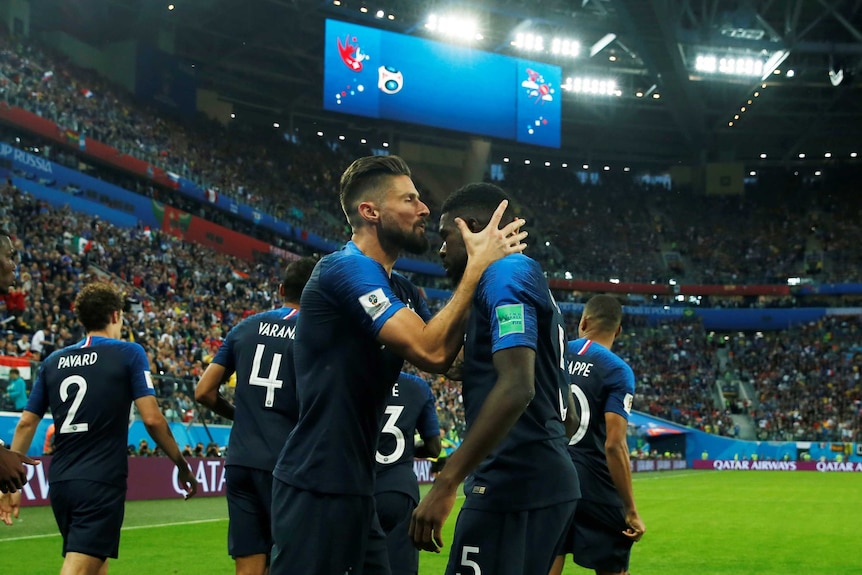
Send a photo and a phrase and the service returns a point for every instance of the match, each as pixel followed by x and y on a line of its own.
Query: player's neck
pixel 602 339
pixel 99 333
pixel 369 245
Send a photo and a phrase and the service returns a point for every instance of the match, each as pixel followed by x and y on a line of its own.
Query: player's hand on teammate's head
pixel 187 480
pixel 492 243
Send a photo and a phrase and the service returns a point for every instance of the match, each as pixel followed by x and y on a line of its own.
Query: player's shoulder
pixel 347 263
pixel 405 378
pixel 516 270
pixel 515 263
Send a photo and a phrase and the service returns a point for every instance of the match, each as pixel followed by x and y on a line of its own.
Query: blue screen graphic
pixel 385 75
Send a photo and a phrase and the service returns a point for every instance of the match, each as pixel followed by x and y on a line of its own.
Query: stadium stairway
pixel 747 429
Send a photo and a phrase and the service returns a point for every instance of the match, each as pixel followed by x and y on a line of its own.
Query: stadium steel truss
pixel 265 56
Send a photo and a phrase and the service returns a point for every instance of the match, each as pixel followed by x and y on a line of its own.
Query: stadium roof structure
pixel 695 76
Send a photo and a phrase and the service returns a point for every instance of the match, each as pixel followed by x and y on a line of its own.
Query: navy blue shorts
pixel 90 516
pixel 249 500
pixel 513 543
pixel 325 534
pixel 395 510
pixel 596 540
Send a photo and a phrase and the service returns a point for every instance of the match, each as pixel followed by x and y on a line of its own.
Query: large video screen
pixel 385 75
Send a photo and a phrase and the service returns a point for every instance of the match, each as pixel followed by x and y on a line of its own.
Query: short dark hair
pixel 606 311
pixel 363 176
pixel 296 275
pixel 481 199
pixel 15 371
pixel 95 303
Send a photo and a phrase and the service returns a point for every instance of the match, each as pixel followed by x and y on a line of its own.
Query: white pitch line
pixel 132 528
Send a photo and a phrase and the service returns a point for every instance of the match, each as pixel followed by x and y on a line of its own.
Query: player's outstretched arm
pixel 206 392
pixel 430 447
pixel 10 503
pixel 617 454
pixel 13 474
pixel 157 427
pixel 433 346
pixel 511 395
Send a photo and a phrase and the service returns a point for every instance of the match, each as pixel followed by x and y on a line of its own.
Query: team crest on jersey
pixel 375 303
pixel 627 403
pixel 510 318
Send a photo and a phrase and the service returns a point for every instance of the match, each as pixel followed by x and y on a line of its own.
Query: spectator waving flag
pixel 86 93
pixel 211 195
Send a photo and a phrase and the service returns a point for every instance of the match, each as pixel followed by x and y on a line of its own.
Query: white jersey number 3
pixel 394 412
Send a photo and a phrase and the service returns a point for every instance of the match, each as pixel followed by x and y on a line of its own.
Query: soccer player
pixel 359 322
pixel 606 522
pixel 90 387
pixel 13 474
pixel 411 408
pixel 521 487
pixel 260 351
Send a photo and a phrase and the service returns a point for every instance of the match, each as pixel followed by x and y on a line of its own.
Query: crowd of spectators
pixel 189 296
pixel 186 297
pixel 594 228
pixel 806 380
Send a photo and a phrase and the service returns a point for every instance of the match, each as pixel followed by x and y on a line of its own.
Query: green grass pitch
pixel 739 523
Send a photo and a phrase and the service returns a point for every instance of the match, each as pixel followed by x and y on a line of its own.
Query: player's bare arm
pixel 617 453
pixel 433 346
pixel 572 421
pixel 157 427
pixel 13 474
pixel 511 395
pixel 430 447
pixel 24 432
pixel 206 392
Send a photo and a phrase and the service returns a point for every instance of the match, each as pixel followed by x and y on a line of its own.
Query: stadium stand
pixel 801 383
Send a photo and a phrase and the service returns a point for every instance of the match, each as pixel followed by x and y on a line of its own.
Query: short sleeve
pixel 506 291
pixel 620 382
pixel 139 372
pixel 428 425
pixel 225 357
pixel 38 401
pixel 359 285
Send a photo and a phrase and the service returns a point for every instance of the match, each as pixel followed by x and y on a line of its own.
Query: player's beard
pixel 392 237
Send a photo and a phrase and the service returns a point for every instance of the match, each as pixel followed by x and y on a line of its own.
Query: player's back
pixel 530 468
pixel 260 351
pixel 601 381
pixel 344 375
pixel 406 411
pixel 90 387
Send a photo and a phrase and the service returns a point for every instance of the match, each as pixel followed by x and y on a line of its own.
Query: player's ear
pixel 368 212
pixel 281 290
pixel 474 224
pixel 619 330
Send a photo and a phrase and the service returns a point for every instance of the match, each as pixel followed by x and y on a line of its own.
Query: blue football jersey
pixel 530 468
pixel 601 383
pixel 344 376
pixel 90 387
pixel 411 408
pixel 260 351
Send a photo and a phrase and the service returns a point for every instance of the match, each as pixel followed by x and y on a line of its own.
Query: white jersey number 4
pixel 272 382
